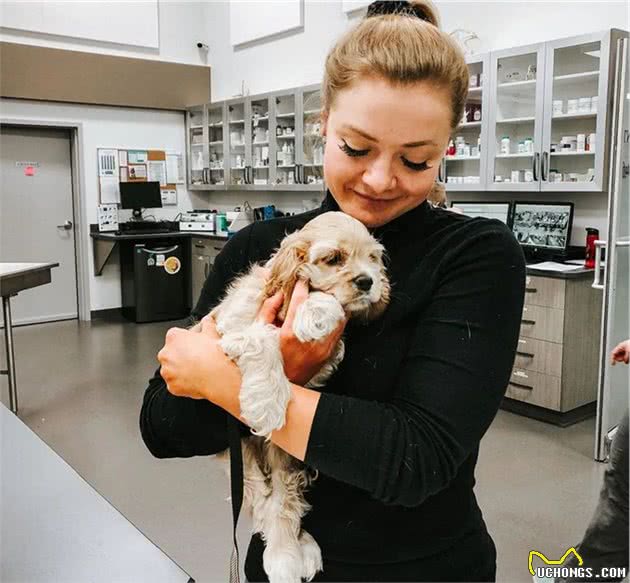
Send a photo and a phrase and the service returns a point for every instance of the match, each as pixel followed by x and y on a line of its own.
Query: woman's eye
pixel 416 166
pixel 351 151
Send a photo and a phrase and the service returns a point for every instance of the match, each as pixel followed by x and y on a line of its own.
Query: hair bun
pixel 423 10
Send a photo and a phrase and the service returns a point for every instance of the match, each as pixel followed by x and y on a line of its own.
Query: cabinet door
pixel 311 169
pixel 199 274
pixel 284 144
pixel 197 147
pixel 236 138
pixel 466 170
pixel 515 130
pixel 257 136
pixel 216 145
pixel 576 93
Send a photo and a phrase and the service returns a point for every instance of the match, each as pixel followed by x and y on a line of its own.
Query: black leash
pixel 236 489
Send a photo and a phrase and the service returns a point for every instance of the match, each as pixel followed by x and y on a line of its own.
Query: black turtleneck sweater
pixel 397 429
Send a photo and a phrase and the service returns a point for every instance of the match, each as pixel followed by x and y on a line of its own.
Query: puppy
pixel 342 264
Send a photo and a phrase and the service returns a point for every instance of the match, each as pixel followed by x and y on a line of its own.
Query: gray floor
pixel 80 389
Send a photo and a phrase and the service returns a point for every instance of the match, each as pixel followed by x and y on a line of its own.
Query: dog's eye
pixel 375 256
pixel 333 259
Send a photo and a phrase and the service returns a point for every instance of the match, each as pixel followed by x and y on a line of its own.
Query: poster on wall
pixel 115 166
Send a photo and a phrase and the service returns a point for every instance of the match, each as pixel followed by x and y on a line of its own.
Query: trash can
pixel 154 280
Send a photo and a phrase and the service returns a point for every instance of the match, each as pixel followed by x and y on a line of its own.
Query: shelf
pixel 238 145
pixel 474 90
pixel 459 158
pixel 516 155
pixel 260 143
pixel 517 84
pixel 470 124
pixel 285 137
pixel 196 127
pixel 237 167
pixel 196 145
pixel 576 77
pixel 282 115
pixel 286 166
pixel 261 167
pixel 575 115
pixel 571 153
pixel 260 118
pixel 215 124
pixel 215 143
pixel 217 169
pixel 313 165
pixel 516 120
pixel 311 111
pixel 237 121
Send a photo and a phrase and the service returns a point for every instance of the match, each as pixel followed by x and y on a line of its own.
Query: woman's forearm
pixel 293 436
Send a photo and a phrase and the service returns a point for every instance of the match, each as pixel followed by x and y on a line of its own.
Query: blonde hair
pixel 403 48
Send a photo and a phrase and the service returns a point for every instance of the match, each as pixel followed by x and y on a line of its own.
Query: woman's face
pixel 384 144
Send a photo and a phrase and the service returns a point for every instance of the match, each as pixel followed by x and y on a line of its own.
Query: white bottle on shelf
pixel 505 145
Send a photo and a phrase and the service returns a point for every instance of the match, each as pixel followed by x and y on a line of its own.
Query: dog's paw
pixel 317 317
pixel 267 415
pixel 311 556
pixel 283 565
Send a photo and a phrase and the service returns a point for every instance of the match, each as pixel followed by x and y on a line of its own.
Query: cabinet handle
pixel 535 161
pixel 205 270
pixel 218 248
pixel 531 322
pixel 199 246
pixel 521 386
pixel 531 290
pixel 296 178
pixel 527 354
pixel 300 173
pixel 545 163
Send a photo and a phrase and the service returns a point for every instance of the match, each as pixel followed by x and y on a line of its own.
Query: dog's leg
pixel 265 389
pixel 284 555
pixel 317 317
pixel 311 556
pixel 330 366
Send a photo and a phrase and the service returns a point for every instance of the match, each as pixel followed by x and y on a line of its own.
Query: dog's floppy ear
pixel 285 267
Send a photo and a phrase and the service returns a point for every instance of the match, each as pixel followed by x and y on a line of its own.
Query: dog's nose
pixel 363 282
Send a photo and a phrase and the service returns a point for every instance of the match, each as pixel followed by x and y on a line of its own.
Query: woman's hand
pixel 302 360
pixel 621 353
pixel 194 364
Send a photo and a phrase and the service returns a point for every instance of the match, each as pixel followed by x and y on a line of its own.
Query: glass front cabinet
pixel 535 120
pixel 547 129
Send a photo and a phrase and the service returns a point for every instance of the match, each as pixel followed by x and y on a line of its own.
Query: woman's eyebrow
pixel 371 139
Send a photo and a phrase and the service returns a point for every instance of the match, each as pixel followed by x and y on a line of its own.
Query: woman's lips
pixel 373 200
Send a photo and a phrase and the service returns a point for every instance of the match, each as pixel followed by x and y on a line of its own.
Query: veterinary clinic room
pixel 314 290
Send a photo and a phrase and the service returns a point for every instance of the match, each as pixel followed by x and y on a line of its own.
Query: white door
pixel 36 218
pixel 612 400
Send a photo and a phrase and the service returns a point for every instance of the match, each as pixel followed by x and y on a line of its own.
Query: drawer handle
pixel 531 290
pixel 531 322
pixel 218 248
pixel 521 386
pixel 200 246
pixel 527 354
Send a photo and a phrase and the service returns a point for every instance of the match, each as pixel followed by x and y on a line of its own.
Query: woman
pixel 395 434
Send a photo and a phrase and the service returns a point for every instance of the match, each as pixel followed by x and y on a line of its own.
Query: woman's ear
pixel 285 267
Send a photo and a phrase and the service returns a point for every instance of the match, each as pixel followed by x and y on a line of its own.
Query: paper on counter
pixel 553 266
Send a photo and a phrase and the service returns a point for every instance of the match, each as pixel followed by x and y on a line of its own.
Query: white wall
pixel 181 25
pixel 114 127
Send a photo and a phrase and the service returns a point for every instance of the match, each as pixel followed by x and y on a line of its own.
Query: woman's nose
pixel 379 176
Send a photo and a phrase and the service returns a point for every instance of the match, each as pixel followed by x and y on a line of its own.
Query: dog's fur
pixel 342 263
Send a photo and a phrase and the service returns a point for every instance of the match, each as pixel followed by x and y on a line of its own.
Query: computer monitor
pixel 139 195
pixel 487 210
pixel 544 226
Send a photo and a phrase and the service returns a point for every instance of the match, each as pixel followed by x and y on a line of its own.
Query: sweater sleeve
pixel 179 426
pixel 448 390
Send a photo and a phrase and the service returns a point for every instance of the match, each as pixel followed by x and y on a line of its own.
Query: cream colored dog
pixel 343 266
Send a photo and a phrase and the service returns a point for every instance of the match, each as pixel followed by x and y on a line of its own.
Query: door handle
pixel 535 162
pixel 544 167
pixel 66 226
pixel 599 245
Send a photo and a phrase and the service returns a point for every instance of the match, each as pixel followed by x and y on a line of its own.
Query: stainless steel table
pixel 15 277
pixel 54 528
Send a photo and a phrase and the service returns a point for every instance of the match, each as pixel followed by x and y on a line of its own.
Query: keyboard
pixel 144 227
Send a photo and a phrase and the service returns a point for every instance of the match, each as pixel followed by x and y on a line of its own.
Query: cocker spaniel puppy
pixel 342 264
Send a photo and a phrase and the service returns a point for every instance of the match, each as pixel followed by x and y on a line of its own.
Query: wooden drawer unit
pixel 539 356
pixel 542 323
pixel 534 388
pixel 556 363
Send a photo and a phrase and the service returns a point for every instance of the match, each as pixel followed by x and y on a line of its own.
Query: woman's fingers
pixel 209 327
pixel 298 296
pixel 270 308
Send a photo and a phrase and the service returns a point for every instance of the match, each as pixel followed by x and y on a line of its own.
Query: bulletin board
pixel 117 165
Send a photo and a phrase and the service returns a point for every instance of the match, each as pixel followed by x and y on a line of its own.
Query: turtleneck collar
pixel 402 223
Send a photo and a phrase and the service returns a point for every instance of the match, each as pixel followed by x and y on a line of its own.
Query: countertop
pixel 150 235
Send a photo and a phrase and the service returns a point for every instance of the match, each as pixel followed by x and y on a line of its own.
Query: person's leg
pixel 605 542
